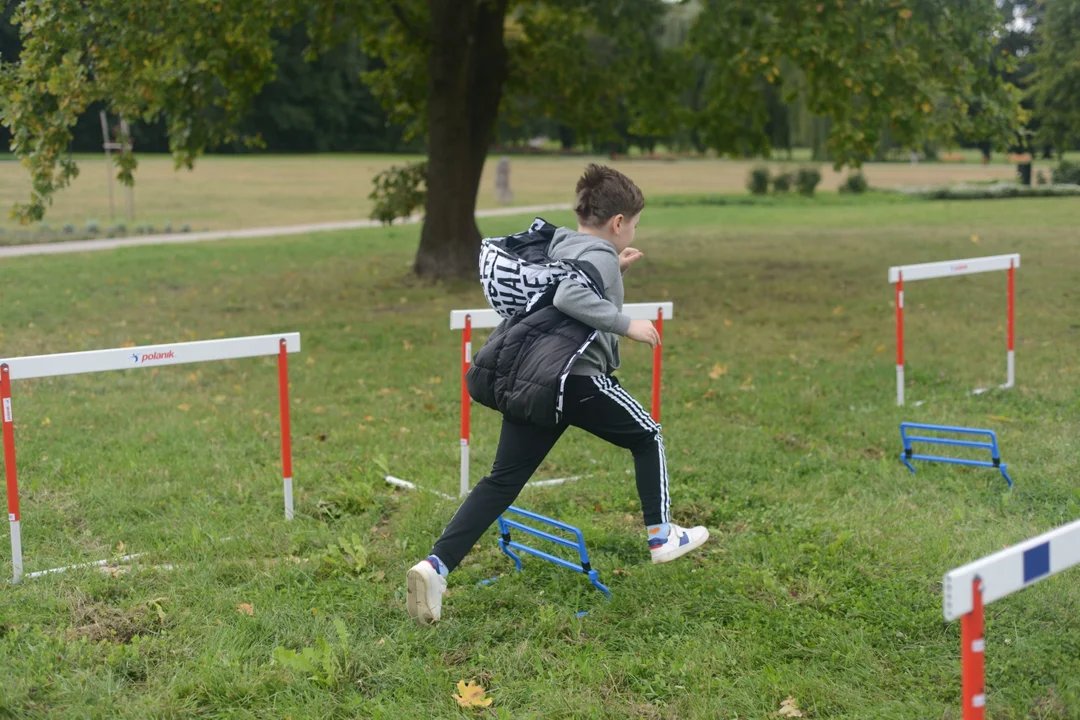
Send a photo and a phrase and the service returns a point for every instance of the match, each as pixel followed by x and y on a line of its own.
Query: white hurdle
pixel 951 268
pixel 966 590
pixel 39 366
pixel 468 320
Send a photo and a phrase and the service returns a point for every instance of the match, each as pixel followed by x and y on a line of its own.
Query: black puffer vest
pixel 521 371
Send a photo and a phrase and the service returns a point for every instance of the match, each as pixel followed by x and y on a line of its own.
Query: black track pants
pixel 596 404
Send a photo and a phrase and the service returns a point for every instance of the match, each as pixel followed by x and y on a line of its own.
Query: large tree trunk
pixel 467 67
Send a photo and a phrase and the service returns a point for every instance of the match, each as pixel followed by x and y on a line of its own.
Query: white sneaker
pixel 425 590
pixel 678 542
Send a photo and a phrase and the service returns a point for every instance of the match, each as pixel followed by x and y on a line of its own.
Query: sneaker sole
pixel 680 551
pixel 416 598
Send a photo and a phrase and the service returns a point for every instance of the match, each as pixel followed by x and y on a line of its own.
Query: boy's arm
pixel 581 303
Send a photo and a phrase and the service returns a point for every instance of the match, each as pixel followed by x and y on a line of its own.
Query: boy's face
pixel 621 231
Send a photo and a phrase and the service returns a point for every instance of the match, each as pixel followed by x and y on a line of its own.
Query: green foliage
pixel 855 183
pixel 995 191
pixel 757 181
pixel 807 179
pixel 325 664
pixel 1068 172
pixel 93 227
pixel 140 64
pixel 399 191
pixel 1055 79
pixel 342 559
pixel 866 66
pixel 782 181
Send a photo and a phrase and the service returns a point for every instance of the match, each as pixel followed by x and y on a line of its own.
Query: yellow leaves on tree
pixel 471 694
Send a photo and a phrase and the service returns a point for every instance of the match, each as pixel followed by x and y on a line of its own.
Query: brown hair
pixel 603 193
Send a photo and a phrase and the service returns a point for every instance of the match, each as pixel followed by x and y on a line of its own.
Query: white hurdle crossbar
pixel 39 366
pixel 952 268
pixel 967 589
pixel 468 320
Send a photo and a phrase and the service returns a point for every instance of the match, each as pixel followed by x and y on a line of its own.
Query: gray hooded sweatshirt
pixel 579 302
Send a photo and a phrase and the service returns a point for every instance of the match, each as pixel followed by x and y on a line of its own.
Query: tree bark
pixel 467 68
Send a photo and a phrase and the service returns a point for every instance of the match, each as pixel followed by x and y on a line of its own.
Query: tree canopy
pixel 449 69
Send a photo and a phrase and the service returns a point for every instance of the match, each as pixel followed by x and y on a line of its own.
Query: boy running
pixel 608 207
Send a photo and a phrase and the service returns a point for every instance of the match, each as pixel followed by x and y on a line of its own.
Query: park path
pixel 77 246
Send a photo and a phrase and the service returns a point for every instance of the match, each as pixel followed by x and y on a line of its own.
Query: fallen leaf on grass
pixel 382 641
pixel 838 310
pixel 471 695
pixel 727 323
pixel 788 708
pixel 717 371
pixel 880 348
pixel 183 407
pixel 1000 418
pixel 246 609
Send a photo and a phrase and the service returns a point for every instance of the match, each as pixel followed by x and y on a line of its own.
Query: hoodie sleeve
pixel 581 303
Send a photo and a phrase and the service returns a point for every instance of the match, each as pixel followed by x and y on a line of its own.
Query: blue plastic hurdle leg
pixel 507 545
pixel 909 453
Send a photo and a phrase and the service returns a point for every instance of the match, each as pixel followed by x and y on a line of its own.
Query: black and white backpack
pixel 515 270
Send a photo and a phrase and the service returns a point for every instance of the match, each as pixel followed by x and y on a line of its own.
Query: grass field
pixel 226 192
pixel 821 581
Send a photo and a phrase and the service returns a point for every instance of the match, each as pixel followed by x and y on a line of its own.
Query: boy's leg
pixel 609 412
pixel 599 405
pixel 521 450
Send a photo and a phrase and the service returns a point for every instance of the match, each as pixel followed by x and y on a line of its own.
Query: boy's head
pixel 608 204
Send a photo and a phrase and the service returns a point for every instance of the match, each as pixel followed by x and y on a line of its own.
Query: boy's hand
pixel 628 257
pixel 644 332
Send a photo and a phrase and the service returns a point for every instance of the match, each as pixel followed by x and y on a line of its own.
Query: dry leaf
pixel 1000 418
pixel 471 695
pixel 879 348
pixel 406 345
pixel 310 361
pixel 434 380
pixel 320 410
pixel 46 422
pixel 975 239
pixel 838 310
pixel 727 323
pixel 246 609
pixel 788 708
pixel 717 371
pixel 184 407
pixel 382 641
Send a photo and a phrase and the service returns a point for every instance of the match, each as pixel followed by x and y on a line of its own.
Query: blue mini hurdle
pixel 507 545
pixel 909 454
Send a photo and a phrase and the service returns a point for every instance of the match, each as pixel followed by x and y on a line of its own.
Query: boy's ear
pixel 617 223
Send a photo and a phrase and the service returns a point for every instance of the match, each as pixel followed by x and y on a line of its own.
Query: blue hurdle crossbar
pixel 507 545
pixel 909 454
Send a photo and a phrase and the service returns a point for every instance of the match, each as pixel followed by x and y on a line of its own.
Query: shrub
pixel 168 227
pixel 93 227
pixel 69 229
pixel 855 183
pixel 120 228
pixel 1040 178
pixel 758 180
pixel 185 228
pixel 1067 173
pixel 399 191
pixel 782 181
pixel 807 180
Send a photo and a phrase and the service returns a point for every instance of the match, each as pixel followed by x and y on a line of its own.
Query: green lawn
pixel 821 581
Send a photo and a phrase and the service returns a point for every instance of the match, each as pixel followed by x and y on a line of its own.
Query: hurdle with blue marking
pixel 909 453
pixel 508 545
pixel 968 589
